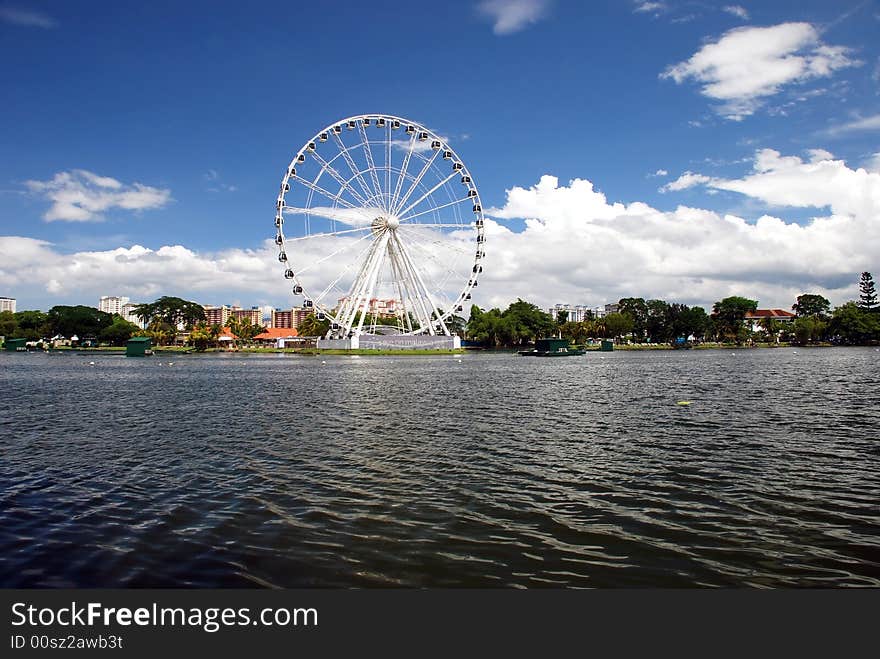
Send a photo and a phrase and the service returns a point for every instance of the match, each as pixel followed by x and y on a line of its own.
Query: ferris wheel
pixel 379 228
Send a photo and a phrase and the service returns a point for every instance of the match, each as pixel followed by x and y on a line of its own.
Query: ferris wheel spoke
pixel 344 150
pixel 328 234
pixel 443 265
pixel 411 234
pixel 415 182
pixel 435 208
pixel 443 182
pixel 339 179
pixel 403 170
pixel 314 187
pixel 387 196
pixel 439 225
pixel 368 153
pixel 319 299
pixel 331 255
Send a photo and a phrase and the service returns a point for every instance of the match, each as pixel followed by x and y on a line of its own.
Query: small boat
pixel 552 348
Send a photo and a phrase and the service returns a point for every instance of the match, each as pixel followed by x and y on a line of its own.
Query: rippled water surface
pixel 473 470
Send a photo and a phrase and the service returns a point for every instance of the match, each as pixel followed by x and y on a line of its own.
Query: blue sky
pixel 195 109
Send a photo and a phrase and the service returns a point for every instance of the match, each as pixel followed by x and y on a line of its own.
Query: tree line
pixel 521 323
pixel 659 321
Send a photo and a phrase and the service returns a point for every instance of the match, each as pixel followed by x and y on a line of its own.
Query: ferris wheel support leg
pixel 400 284
pixel 371 282
pixel 424 289
pixel 349 307
pixel 405 284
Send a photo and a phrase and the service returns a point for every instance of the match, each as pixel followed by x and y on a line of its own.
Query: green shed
pixel 607 346
pixel 551 345
pixel 138 346
pixel 15 345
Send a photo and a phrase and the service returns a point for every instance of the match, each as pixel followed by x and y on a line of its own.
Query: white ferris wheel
pixel 380 228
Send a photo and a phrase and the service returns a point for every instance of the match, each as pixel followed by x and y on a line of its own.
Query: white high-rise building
pixel 127 312
pixel 112 304
pixel 7 304
pixel 577 313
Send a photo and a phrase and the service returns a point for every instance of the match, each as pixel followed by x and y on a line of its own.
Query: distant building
pixel 7 304
pixel 754 318
pixel 276 336
pixel 216 315
pixel 112 304
pixel 577 313
pixel 127 312
pixel 254 314
pixel 289 318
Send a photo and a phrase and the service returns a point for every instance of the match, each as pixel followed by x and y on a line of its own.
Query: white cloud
pixel 736 10
pixel 748 64
pixel 873 164
pixel 659 172
pixel 81 196
pixel 643 7
pixel 509 16
pixel 686 180
pixel 26 18
pixel 857 125
pixel 576 247
pixel 33 266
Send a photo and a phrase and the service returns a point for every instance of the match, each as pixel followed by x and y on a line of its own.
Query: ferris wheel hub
pixel 392 222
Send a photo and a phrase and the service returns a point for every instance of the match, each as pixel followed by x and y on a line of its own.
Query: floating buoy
pixel 459 361
pixel 683 402
pixel 171 363
pixel 323 362
pixel 91 363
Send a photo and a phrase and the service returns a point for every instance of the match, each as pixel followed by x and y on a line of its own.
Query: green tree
pixel 854 325
pixel 867 292
pixel 808 329
pixel 637 309
pixel 811 305
pixel 687 321
pixel 658 324
pixel 80 320
pixel 771 328
pixel 311 326
pixel 244 329
pixel 160 332
pixel 618 324
pixel 32 325
pixel 203 336
pixel 728 315
pixel 118 332
pixel 8 325
pixel 174 311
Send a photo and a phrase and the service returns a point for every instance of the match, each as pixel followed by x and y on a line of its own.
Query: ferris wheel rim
pixel 396 207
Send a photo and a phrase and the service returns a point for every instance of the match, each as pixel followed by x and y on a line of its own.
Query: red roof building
pixel 780 315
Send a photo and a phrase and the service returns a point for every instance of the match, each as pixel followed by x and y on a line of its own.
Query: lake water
pixel 479 470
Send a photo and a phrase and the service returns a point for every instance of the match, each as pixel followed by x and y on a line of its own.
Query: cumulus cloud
pixel 26 17
pixel 579 248
pixel 736 10
pixel 509 16
pixel 748 64
pixel 82 196
pixel 35 267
